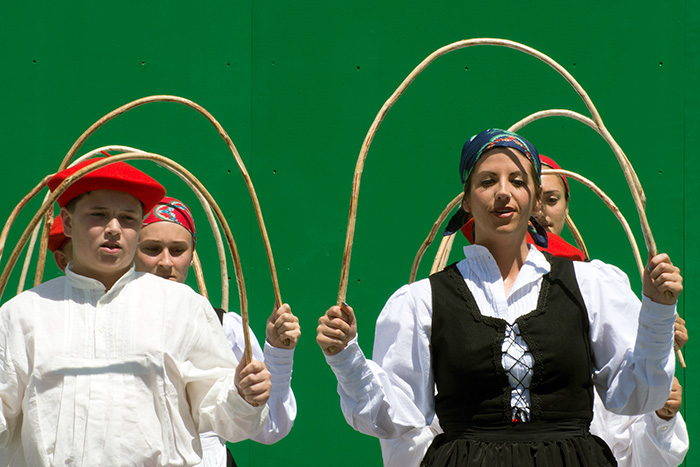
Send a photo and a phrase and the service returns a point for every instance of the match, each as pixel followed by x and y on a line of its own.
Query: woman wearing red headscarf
pixel 166 248
pixel 658 438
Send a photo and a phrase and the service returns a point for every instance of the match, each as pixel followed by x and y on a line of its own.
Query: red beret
pixel 119 176
pixel 550 162
pixel 57 238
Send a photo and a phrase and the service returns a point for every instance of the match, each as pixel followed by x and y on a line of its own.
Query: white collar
pixel 89 283
pixel 535 266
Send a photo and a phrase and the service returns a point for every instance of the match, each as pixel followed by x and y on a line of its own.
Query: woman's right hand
pixel 336 328
pixel 680 332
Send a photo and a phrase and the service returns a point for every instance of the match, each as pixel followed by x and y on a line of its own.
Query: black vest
pixel 472 385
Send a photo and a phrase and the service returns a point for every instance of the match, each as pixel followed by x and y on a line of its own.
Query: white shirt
pixel 282 404
pixel 392 396
pixel 123 377
pixel 641 440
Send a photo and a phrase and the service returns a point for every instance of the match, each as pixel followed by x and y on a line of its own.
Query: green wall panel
pixel 297 87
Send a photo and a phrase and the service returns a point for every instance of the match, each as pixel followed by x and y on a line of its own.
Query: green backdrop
pixel 297 86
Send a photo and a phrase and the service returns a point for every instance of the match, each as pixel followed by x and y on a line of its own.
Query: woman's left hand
pixel 662 281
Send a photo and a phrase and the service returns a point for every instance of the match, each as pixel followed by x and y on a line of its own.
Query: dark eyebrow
pixel 102 208
pixel 492 173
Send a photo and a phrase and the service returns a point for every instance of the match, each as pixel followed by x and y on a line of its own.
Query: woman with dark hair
pixel 506 346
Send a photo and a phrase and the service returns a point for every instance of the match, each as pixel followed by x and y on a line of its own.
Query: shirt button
pixel 663 428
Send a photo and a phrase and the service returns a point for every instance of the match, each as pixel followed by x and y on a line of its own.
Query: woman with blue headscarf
pixel 505 346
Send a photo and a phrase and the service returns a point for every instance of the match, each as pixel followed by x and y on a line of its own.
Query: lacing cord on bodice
pixel 518 363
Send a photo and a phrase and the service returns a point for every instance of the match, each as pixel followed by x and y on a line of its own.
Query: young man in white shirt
pixel 107 366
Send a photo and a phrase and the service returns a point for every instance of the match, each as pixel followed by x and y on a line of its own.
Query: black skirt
pixel 517 448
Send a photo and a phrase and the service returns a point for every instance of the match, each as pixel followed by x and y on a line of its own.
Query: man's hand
pixel 680 332
pixel 283 328
pixel 253 382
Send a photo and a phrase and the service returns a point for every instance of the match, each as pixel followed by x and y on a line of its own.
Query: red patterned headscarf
pixel 548 161
pixel 172 210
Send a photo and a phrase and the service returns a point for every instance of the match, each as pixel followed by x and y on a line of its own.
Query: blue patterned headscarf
pixel 473 150
pixel 495 138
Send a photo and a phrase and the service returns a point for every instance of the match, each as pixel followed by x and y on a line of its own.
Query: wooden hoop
pixel 188 103
pixel 624 163
pixel 180 171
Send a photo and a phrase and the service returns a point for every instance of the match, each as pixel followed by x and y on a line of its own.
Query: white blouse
pixel 123 377
pixel 282 404
pixel 392 396
pixel 641 440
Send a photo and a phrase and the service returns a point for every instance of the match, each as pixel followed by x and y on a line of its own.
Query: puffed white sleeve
pixel 13 379
pixel 632 341
pixel 391 396
pixel 209 372
pixel 279 362
pixel 637 440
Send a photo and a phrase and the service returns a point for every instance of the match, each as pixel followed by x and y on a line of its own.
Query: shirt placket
pixel 100 383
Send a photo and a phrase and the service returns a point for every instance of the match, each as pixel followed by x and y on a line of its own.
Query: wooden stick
pixel 28 259
pixel 431 236
pixel 201 285
pixel 43 248
pixel 679 354
pixel 631 176
pixel 446 252
pixel 611 205
pixel 249 183
pixel 444 243
pixel 578 238
pixel 583 119
pixel 17 209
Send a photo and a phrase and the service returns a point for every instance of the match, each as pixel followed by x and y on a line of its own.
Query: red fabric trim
pixel 557 245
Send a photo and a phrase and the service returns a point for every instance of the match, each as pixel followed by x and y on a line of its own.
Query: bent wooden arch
pixel 201 285
pixel 174 167
pixel 446 244
pixel 626 167
pixel 587 121
pixel 188 103
pixel 431 237
pixel 578 238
